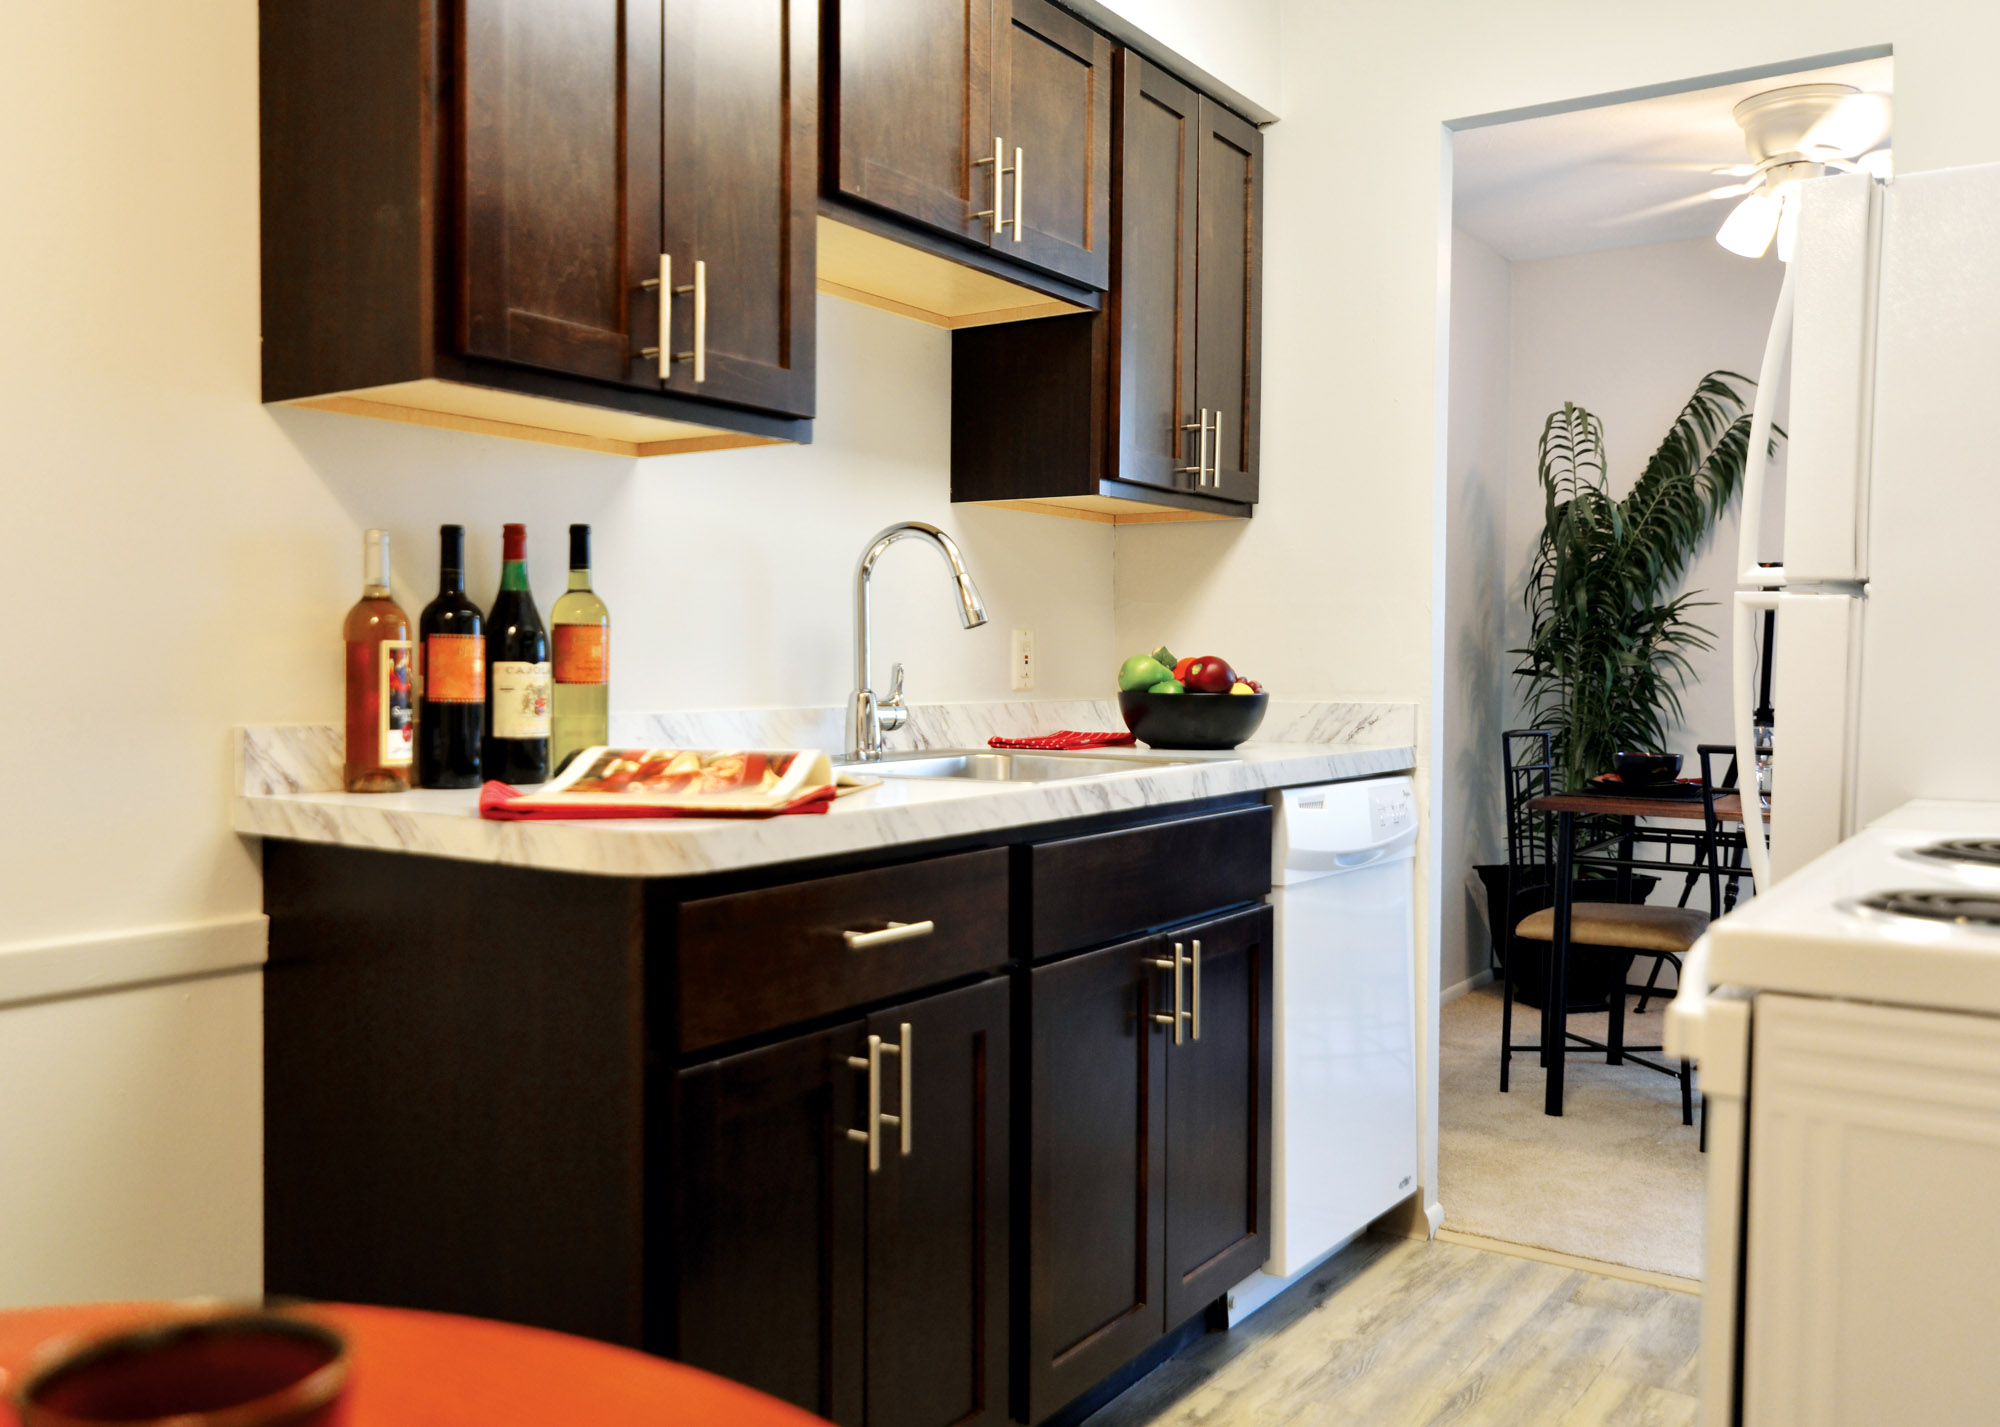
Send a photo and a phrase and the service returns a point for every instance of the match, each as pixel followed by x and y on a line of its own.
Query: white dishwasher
pixel 1344 1101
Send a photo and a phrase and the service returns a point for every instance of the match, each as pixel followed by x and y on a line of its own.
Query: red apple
pixel 1209 675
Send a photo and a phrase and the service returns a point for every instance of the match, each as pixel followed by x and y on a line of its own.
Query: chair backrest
pixel 1528 763
pixel 1711 786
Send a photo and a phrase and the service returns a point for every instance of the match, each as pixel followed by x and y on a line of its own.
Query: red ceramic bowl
pixel 222 1370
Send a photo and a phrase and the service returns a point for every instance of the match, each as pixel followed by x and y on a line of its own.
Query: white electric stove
pixel 1847 1026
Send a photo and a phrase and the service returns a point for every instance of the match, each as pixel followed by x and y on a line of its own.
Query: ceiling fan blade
pixel 1750 226
pixel 1858 123
pixel 1880 162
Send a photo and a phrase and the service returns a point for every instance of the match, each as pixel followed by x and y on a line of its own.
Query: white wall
pixel 1237 42
pixel 1472 827
pixel 1626 334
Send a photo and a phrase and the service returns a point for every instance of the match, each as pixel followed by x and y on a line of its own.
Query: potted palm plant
pixel 1607 654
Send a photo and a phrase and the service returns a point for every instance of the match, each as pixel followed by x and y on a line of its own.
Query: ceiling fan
pixel 1794 134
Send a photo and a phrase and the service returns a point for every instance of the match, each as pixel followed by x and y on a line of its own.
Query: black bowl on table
pixel 1191 720
pixel 1645 770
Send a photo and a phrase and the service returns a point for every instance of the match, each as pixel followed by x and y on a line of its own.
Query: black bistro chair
pixel 1609 933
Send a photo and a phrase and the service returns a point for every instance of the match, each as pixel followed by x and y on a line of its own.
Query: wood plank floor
pixel 1399 1331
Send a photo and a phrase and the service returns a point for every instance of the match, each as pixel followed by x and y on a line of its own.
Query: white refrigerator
pixel 1886 683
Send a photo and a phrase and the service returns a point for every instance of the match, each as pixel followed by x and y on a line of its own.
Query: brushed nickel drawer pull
pixel 1177 1016
pixel 895 931
pixel 1019 170
pixel 995 222
pixel 1199 470
pixel 872 1136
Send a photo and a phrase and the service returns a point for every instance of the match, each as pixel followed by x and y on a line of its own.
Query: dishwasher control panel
pixel 1392 808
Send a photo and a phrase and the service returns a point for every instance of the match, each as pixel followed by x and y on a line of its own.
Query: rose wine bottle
pixel 517 673
pixel 381 692
pixel 451 704
pixel 582 629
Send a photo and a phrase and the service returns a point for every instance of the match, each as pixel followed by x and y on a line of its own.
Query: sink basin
pixel 982 766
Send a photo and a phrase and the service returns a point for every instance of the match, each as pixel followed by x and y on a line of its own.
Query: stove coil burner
pixel 1980 851
pixel 1966 909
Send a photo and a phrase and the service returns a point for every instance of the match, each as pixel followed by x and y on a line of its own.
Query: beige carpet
pixel 1616 1177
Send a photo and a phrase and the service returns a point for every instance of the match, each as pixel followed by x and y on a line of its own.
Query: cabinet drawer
pixel 758 960
pixel 1086 890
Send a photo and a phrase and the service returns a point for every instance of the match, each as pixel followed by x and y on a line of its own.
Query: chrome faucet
pixel 869 717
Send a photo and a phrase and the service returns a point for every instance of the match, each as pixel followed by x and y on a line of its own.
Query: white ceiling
pixel 1617 175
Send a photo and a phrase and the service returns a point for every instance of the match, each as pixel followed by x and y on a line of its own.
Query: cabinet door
pixel 557 228
pixel 740 171
pixel 770 1221
pixel 1096 1176
pixel 1052 98
pixel 937 1217
pixel 1219 1113
pixel 1230 210
pixel 914 110
pixel 1152 305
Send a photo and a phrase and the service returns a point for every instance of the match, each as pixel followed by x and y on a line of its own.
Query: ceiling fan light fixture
pixel 1750 226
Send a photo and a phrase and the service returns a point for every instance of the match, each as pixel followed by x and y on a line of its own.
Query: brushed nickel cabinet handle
pixel 1176 1017
pixel 1020 182
pixel 664 286
pixel 1194 975
pixel 904 1117
pixel 994 222
pixel 700 320
pixel 1215 469
pixel 895 931
pixel 1199 470
pixel 872 1136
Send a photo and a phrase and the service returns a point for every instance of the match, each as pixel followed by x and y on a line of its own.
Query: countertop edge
pixel 701 846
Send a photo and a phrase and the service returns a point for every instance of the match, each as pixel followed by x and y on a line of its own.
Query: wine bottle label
pixel 397 702
pixel 580 654
pixel 455 668
pixel 520 699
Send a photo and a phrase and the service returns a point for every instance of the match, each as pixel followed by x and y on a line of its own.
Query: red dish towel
pixel 1068 739
pixel 501 803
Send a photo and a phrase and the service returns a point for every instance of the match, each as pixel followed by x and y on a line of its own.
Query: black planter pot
pixel 1592 974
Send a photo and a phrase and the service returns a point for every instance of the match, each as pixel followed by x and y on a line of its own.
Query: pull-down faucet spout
pixel 869 717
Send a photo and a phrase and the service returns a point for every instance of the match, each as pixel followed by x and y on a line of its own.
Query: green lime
pixel 1168 686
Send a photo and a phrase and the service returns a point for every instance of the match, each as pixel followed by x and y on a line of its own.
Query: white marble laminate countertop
pixel 901 811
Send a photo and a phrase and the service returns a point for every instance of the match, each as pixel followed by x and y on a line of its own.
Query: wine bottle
pixel 451 664
pixel 381 697
pixel 517 669
pixel 582 631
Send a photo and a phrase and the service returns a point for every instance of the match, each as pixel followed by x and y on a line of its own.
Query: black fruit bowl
pixel 1191 720
pixel 1642 770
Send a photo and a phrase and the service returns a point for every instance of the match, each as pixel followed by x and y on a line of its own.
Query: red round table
pixel 413 1369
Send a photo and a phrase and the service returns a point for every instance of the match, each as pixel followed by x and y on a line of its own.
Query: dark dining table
pixel 1631 808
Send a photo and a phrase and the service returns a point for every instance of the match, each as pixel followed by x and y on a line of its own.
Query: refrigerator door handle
pixel 1743 699
pixel 1757 459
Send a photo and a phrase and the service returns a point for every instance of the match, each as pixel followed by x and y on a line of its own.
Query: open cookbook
pixel 676 782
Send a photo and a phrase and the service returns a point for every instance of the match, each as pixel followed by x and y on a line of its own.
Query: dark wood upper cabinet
pixel 553 219
pixel 739 151
pixel 466 204
pixel 1096 1175
pixel 1218 1124
pixel 913 109
pixel 938 1217
pixel 1147 409
pixel 770 1288
pixel 1052 95
pixel 936 100
pixel 1228 295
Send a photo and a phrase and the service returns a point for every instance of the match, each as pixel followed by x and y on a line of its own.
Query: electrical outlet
pixel 1023 659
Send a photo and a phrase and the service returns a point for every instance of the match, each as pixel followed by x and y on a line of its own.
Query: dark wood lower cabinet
pixel 1218 1125
pixel 770 1281
pixel 867 1297
pixel 1095 1174
pixel 1148 1167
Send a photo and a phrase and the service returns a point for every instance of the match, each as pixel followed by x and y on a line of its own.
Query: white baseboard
pixel 34 971
pixel 1471 983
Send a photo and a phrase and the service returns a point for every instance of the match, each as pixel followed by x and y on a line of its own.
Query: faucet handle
pixel 890 714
